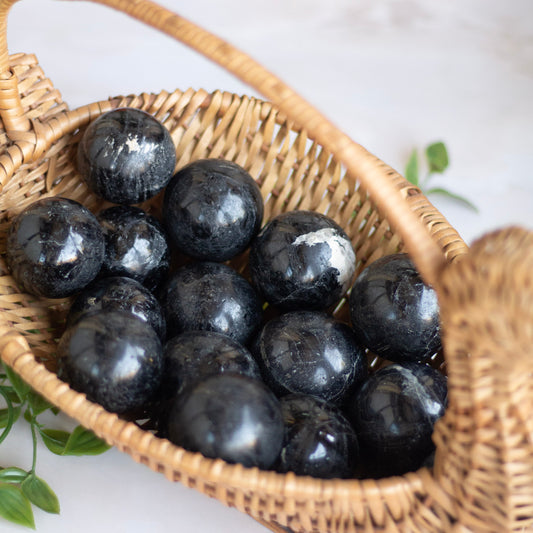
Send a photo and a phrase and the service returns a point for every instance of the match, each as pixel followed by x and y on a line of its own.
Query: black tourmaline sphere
pixel 393 312
pixel 212 297
pixel 302 260
pixel 310 352
pixel 118 294
pixel 212 209
pixel 114 357
pixel 319 441
pixel 195 355
pixel 55 247
pixel 136 245
pixel 126 156
pixel 235 418
pixel 393 414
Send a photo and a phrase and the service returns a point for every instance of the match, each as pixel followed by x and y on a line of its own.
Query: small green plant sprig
pixel 21 489
pixel 437 161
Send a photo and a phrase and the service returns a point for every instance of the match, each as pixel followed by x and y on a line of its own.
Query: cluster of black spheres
pixel 191 347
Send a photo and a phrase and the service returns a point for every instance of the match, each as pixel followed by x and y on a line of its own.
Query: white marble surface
pixel 393 74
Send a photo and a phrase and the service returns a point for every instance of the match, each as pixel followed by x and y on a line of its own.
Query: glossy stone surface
pixel 393 312
pixel 137 245
pixel 212 297
pixel 55 247
pixel 232 417
pixel 309 352
pixel 195 355
pixel 117 293
pixel 302 260
pixel 114 357
pixel 393 414
pixel 319 440
pixel 212 209
pixel 126 156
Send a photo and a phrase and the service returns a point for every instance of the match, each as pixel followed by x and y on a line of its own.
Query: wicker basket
pixel 483 474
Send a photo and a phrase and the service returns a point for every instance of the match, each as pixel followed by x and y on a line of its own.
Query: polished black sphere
pixel 117 293
pixel 114 357
pixel 302 260
pixel 393 414
pixel 211 296
pixel 319 440
pixel 212 209
pixel 126 156
pixel 137 245
pixel 195 355
pixel 55 247
pixel 393 312
pixel 232 417
pixel 310 352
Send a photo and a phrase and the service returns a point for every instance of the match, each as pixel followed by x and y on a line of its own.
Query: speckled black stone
pixel 114 357
pixel 195 355
pixel 310 352
pixel 211 296
pixel 212 209
pixel 319 440
pixel 137 245
pixel 126 156
pixel 55 247
pixel 117 293
pixel 302 260
pixel 235 418
pixel 393 312
pixel 393 414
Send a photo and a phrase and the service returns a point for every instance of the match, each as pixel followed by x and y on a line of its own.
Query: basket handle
pixel 359 163
pixel 484 458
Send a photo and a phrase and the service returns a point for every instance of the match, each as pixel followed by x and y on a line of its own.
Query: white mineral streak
pixel 133 143
pixel 342 254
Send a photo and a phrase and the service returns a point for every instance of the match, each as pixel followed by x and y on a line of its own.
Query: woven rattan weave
pixel 483 475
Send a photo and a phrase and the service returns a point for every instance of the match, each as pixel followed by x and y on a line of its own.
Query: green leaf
pixel 437 157
pixel 411 169
pixel 13 475
pixel 9 416
pixel 84 442
pixel 80 442
pixel 38 403
pixel 9 394
pixel 453 196
pixel 15 506
pixel 5 414
pixel 40 494
pixel 55 440
pixel 21 387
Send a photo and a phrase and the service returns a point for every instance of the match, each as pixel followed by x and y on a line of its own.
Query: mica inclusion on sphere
pixel 55 247
pixel 393 414
pixel 117 293
pixel 231 417
pixel 393 312
pixel 114 357
pixel 310 352
pixel 319 440
pixel 211 296
pixel 126 156
pixel 302 260
pixel 212 208
pixel 137 245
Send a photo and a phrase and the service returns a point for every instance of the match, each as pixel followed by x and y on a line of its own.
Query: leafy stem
pixel 19 488
pixel 437 161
